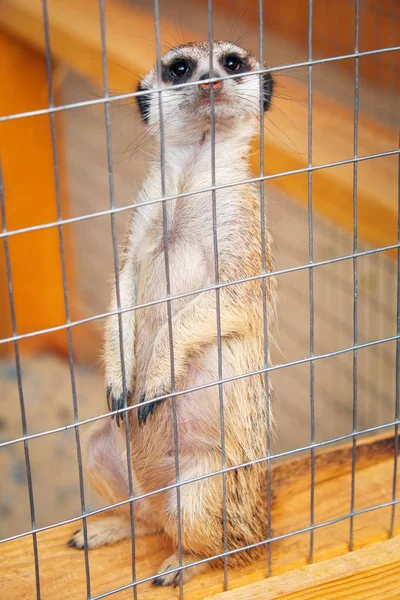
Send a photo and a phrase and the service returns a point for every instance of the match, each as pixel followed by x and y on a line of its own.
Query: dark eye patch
pixel 234 64
pixel 268 89
pixel 178 70
pixel 143 103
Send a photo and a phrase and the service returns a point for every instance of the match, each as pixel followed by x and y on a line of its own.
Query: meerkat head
pixel 186 110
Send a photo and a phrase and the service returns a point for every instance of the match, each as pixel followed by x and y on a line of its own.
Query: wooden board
pixel 30 199
pixel 75 39
pixel 373 572
pixel 62 571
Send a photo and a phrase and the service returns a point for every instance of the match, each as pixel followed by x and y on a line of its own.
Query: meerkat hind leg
pixel 174 578
pixel 107 530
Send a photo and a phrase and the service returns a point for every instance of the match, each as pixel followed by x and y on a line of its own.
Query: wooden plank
pixel 30 198
pixel 62 568
pixel 368 573
pixel 75 35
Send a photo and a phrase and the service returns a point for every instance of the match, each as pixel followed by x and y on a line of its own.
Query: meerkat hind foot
pixel 108 530
pixel 172 562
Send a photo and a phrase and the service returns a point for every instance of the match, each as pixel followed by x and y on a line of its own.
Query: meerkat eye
pixel 179 68
pixel 232 62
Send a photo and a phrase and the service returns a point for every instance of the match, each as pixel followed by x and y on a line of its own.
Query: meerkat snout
pixel 206 87
pixel 237 96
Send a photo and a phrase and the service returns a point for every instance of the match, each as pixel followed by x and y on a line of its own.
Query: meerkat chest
pixel 188 235
pixel 188 223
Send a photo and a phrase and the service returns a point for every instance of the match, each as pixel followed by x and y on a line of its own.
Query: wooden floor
pixel 62 573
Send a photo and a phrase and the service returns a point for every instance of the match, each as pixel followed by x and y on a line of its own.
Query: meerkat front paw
pixel 158 380
pixel 117 400
pixel 148 408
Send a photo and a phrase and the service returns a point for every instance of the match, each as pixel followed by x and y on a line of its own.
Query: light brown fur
pixel 147 349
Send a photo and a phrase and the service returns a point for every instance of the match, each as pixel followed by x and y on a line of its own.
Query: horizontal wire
pixel 83 103
pixel 172 486
pixel 198 291
pixel 211 188
pixel 252 546
pixel 293 363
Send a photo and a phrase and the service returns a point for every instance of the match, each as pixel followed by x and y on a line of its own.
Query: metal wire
pixel 217 295
pixel 172 486
pixel 190 196
pixel 204 190
pixel 311 275
pixel 397 363
pixel 169 305
pixel 20 389
pixel 355 272
pixel 264 285
pixel 49 74
pixel 331 59
pixel 205 289
pixel 258 544
pixel 293 363
pixel 201 191
pixel 117 283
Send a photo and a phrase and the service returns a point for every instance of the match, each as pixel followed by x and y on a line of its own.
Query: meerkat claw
pixel 117 404
pixel 146 410
pixel 177 580
pixel 120 403
pixel 108 395
pixel 160 580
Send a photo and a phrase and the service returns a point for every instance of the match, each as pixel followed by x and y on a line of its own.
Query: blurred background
pixel 35 193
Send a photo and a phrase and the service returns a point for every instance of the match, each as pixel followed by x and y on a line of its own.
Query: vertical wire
pixel 168 290
pixel 65 285
pixel 217 294
pixel 380 332
pixel 20 386
pixel 397 361
pixel 377 370
pixel 311 278
pixel 117 285
pixel 355 272
pixel 264 283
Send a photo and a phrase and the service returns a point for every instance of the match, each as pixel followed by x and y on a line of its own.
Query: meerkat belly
pixel 188 272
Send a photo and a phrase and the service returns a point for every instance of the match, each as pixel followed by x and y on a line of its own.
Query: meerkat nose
pixel 205 87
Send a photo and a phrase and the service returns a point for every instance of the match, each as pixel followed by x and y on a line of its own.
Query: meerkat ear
pixel 268 88
pixel 143 102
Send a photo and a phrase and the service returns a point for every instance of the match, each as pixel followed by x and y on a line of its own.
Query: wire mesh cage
pixel 326 166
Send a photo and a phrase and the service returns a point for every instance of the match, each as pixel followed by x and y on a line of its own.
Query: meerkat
pixel 186 115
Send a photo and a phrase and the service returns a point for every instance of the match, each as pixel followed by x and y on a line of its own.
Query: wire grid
pixel 310 267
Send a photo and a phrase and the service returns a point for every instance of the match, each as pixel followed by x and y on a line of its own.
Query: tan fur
pixel 146 333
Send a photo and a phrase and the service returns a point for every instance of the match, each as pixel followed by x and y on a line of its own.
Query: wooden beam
pixel 62 571
pixel 30 199
pixel 75 37
pixel 361 575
